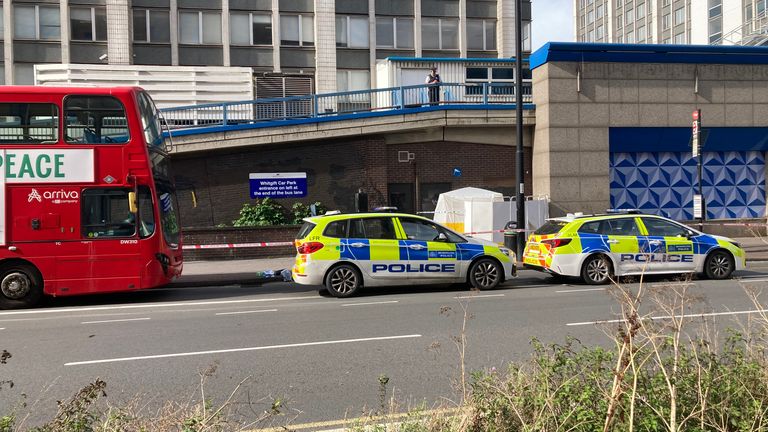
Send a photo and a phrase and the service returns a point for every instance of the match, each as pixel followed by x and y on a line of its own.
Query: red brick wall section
pixel 208 236
pixel 335 171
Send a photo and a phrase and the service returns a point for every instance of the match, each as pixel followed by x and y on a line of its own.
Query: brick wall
pixel 209 236
pixel 335 171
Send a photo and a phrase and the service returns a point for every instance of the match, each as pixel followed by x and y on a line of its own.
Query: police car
pixel 597 248
pixel 345 252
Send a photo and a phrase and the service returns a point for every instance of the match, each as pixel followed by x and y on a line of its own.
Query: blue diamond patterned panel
pixel 664 183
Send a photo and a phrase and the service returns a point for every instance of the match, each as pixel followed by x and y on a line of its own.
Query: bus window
pixel 29 123
pixel 146 213
pixel 105 213
pixel 150 121
pixel 95 120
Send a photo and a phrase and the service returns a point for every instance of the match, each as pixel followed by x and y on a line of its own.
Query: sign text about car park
pixel 278 185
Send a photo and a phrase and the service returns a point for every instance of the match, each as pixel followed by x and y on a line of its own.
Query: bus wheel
pixel 20 286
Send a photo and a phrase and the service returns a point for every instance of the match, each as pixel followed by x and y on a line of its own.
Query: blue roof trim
pixel 643 53
pixel 456 59
pixel 328 118
pixel 678 139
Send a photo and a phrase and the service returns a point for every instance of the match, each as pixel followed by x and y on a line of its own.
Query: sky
pixel 552 21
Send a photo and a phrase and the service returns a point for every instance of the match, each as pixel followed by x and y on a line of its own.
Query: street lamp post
pixel 519 196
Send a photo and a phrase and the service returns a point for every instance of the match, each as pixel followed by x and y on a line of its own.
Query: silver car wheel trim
pixel 719 265
pixel 486 274
pixel 343 280
pixel 597 270
pixel 16 285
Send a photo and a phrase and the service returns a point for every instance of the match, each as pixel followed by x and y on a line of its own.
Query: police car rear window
pixel 305 230
pixel 336 229
pixel 551 227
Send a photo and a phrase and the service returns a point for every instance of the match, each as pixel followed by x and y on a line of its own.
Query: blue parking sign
pixel 278 185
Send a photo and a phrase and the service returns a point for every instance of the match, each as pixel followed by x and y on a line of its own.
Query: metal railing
pixel 753 32
pixel 343 103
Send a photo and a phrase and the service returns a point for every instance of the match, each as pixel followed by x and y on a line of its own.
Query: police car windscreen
pixel 550 227
pixel 305 230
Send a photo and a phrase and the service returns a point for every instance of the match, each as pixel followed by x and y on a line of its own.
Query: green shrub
pixel 261 213
pixel 301 211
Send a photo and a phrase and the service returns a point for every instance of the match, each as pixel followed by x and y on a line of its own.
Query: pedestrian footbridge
pixel 478 112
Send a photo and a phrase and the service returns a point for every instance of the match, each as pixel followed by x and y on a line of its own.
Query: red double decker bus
pixel 88 203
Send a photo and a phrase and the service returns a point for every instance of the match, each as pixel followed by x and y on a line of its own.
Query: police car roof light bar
pixel 385 209
pixel 624 211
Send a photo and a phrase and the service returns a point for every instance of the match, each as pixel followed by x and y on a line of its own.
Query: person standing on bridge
pixel 433 80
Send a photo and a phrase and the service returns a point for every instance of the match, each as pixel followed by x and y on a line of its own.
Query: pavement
pixel 257 271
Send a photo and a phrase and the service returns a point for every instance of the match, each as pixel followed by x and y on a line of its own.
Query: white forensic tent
pixel 468 210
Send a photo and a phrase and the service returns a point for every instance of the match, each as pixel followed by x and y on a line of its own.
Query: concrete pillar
pixel 225 32
pixel 119 48
pixel 463 28
pixel 325 46
pixel 417 27
pixel 276 35
pixel 174 21
pixel 8 45
pixel 65 31
pixel 372 39
pixel 505 28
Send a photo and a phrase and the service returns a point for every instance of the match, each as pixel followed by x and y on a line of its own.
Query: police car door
pixel 372 244
pixel 619 237
pixel 671 249
pixel 431 251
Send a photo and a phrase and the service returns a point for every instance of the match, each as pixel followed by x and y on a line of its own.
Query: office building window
pixel 630 16
pixel 599 33
pixel 23 74
pixel 665 3
pixel 715 8
pixel 619 21
pixel 394 32
pixel 36 22
pixel 641 34
pixel 526 36
pixel 760 7
pixel 199 28
pixel 679 16
pixel 591 36
pixel 619 39
pixel 88 24
pixel 600 11
pixel 666 21
pixel 151 25
pixel 640 10
pixel 481 34
pixel 297 30
pixel 440 33
pixel 2 22
pixel 630 37
pixel 715 29
pixel 247 28
pixel 680 38
pixel 351 80
pixel 352 31
pixel 590 17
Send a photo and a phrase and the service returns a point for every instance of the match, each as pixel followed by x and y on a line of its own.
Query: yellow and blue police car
pixel 345 252
pixel 600 247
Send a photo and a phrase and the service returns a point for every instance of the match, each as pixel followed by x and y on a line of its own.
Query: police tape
pixel 516 230
pixel 237 245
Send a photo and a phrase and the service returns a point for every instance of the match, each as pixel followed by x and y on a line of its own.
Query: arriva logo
pixel 34 195
pixel 61 194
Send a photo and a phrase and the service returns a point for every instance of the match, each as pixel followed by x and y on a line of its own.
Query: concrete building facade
pixel 295 46
pixel 613 128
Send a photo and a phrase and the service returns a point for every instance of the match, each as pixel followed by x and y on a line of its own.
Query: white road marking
pixel 2 328
pixel 701 315
pixel 753 279
pixel 246 312
pixel 153 305
pixel 117 320
pixel 369 303
pixel 479 296
pixel 233 350
pixel 671 283
pixel 580 290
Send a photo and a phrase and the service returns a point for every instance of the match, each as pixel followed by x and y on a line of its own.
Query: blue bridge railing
pixel 331 104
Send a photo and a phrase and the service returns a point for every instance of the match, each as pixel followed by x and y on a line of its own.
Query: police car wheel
pixel 719 265
pixel 21 286
pixel 485 274
pixel 596 270
pixel 343 281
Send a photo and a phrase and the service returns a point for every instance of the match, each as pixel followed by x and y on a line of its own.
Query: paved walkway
pixel 255 271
